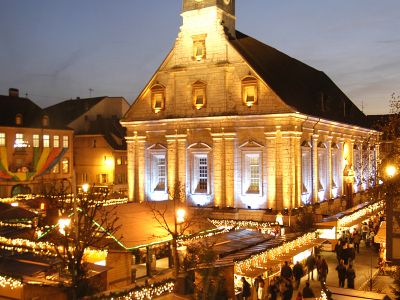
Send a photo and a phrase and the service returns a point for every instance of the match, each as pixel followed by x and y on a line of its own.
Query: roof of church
pixel 304 88
pixel 67 111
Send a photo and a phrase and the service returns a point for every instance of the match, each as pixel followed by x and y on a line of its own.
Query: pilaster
pixel 229 176
pixel 172 163
pixel 270 145
pixel 219 166
pixel 131 168
pixel 141 166
pixel 341 186
pixel 314 152
pixel 181 162
pixel 328 190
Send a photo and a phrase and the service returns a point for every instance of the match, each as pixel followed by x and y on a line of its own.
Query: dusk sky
pixel 55 50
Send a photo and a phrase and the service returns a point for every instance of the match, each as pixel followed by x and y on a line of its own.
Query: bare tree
pixel 84 223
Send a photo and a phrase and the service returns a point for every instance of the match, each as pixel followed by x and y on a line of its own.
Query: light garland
pixel 265 227
pixel 360 214
pixel 8 282
pixel 18 225
pixel 261 258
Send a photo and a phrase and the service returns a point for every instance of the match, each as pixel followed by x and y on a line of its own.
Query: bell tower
pixel 224 11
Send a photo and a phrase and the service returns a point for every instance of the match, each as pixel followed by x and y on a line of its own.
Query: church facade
pixel 240 124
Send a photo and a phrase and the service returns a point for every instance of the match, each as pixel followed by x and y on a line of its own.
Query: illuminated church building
pixel 240 124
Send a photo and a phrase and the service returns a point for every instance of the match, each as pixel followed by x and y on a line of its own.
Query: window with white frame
pixel 36 140
pixel 65 141
pixel 252 173
pixel 159 172
pixel 251 170
pixel 306 179
pixel 200 180
pixel 335 166
pixel 2 139
pixel 46 141
pixel 56 141
pixel 322 166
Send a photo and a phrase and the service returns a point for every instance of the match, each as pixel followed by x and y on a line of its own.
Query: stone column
pixel 341 186
pixel 270 150
pixel 181 163
pixel 230 166
pixel 172 163
pixel 314 152
pixel 297 163
pixel 328 190
pixel 218 167
pixel 279 173
pixel 131 168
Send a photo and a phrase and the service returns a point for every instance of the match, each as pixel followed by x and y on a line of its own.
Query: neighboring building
pixel 34 152
pixel 241 124
pixel 99 144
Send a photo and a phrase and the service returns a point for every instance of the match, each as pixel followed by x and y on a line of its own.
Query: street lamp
pixel 391 171
pixel 85 187
pixel 62 224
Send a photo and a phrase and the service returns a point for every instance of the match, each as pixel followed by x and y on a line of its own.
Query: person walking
pixel 310 262
pixel 323 270
pixel 288 291
pixel 317 265
pixel 341 269
pixel 307 291
pixel 273 290
pixel 246 292
pixel 357 240
pixel 258 282
pixel 286 271
pixel 351 275
pixel 298 272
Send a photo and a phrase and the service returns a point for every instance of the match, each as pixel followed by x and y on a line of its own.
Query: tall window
pixel 56 168
pixel 56 141
pixel 159 173
pixel 2 139
pixel 252 173
pixel 18 119
pixel 158 98
pixel 65 166
pixel 199 94
pixel 322 166
pixel 335 166
pixel 200 169
pixel 46 141
pixel 36 141
pixel 306 178
pixel 65 141
pixel 103 178
pixel 249 91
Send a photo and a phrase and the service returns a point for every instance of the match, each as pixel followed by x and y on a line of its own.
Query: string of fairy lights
pixel 260 259
pixel 362 213
pixel 9 282
pixel 264 227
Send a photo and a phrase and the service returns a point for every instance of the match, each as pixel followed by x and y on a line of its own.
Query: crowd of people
pixel 288 283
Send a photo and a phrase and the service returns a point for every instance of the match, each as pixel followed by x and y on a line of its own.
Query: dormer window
pixel 249 91
pixel 199 47
pixel 45 121
pixel 158 98
pixel 18 119
pixel 199 95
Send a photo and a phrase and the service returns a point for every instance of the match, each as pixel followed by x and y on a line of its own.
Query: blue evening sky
pixel 55 50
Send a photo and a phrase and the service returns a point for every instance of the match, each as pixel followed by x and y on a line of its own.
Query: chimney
pixel 13 92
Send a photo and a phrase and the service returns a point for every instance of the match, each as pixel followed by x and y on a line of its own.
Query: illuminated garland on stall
pixel 265 227
pixel 17 225
pixel 142 292
pixel 360 214
pixel 261 258
pixel 8 282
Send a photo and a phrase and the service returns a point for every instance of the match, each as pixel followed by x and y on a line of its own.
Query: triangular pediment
pixel 251 144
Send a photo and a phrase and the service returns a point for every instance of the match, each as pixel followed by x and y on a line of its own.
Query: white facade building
pixel 239 124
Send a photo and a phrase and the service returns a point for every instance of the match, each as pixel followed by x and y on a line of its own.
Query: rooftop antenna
pixel 362 106
pixel 90 92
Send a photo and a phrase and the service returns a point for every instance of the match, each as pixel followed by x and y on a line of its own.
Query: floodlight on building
pixel 108 162
pixel 62 224
pixel 180 215
pixel 85 187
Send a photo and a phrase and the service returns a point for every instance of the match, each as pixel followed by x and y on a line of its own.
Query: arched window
pixel 158 98
pixel 306 174
pixel 200 179
pixel 249 91
pixel 199 94
pixel 251 155
pixel 157 172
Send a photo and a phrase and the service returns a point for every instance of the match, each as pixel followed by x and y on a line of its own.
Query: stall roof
pixel 344 213
pixel 350 294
